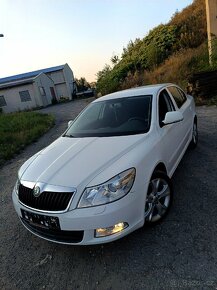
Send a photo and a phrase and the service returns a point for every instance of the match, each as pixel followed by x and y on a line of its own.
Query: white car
pixel 110 171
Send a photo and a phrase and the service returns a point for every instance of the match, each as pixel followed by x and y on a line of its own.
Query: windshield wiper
pixel 70 136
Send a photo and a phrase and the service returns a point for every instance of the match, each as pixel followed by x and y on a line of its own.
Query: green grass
pixel 20 129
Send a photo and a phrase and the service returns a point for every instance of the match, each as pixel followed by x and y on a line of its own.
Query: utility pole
pixel 211 16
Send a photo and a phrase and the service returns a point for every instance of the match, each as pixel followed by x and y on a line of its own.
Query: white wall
pixel 13 100
pixel 62 91
pixel 59 83
pixel 45 82
pixel 64 82
pixel 69 77
pixel 57 77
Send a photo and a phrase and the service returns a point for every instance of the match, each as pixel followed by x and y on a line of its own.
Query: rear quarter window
pixel 178 95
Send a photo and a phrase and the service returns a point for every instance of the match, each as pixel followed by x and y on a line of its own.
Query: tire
pixel 159 198
pixel 194 140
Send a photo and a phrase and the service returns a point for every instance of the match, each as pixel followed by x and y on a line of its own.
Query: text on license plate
pixel 42 221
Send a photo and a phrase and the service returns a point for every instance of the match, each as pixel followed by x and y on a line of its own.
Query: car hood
pixel 71 161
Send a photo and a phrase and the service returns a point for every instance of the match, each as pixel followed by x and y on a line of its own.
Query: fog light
pixel 103 232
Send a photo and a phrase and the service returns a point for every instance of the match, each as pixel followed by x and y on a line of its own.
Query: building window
pixel 2 101
pixel 42 91
pixel 25 96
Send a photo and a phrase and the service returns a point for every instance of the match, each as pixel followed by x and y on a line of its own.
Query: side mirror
pixel 69 123
pixel 172 117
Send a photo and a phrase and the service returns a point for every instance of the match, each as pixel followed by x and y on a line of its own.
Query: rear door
pixel 171 136
pixel 183 105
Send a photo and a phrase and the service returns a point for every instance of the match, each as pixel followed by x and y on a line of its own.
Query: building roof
pixel 29 75
pixel 17 83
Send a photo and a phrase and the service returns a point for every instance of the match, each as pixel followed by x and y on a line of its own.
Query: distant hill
pixel 169 52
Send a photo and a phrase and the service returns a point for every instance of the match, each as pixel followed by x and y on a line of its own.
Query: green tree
pixel 115 59
pixel 186 29
pixel 107 80
pixel 82 84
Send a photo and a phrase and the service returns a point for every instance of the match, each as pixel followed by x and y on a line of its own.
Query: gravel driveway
pixel 178 253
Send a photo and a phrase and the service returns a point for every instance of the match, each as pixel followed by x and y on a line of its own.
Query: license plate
pixel 42 221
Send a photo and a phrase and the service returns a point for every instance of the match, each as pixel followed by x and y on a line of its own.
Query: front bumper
pixel 77 227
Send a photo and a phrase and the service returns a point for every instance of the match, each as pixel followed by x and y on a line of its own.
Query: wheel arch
pixel 159 176
pixel 160 167
pixel 195 119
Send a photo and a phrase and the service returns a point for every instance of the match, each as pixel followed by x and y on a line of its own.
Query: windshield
pixel 116 117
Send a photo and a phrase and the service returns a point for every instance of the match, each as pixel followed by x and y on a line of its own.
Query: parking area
pixel 178 253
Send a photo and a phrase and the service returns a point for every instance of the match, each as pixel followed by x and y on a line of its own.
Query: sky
pixel 83 33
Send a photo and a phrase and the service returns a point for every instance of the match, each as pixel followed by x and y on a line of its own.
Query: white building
pixel 36 89
pixel 64 81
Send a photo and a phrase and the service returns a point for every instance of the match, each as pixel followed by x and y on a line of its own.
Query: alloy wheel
pixel 195 133
pixel 194 139
pixel 158 199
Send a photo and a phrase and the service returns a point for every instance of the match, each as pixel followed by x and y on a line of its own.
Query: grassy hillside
pixel 176 69
pixel 169 53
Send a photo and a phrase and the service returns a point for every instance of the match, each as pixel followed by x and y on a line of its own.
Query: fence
pixel 203 84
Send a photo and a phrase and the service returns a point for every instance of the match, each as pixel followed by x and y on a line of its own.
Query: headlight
pixel 16 188
pixel 113 189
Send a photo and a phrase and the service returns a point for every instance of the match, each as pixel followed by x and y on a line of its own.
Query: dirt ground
pixel 178 253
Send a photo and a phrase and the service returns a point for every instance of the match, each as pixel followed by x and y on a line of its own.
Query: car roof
pixel 144 90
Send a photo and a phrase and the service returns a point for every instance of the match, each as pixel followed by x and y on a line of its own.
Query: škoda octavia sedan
pixel 110 172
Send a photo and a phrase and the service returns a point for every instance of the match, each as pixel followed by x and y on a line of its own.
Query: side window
pixel 25 96
pixel 42 91
pixel 164 105
pixel 183 95
pixel 178 96
pixel 2 101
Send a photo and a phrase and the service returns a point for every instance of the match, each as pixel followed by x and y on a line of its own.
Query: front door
pixel 53 94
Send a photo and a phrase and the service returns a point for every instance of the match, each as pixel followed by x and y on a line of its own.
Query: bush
pixel 180 66
pixel 176 69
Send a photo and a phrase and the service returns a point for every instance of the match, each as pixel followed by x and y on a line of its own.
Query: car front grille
pixel 47 200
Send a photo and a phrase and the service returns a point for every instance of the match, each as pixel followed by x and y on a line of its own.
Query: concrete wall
pixel 62 91
pixel 57 77
pixel 61 81
pixel 70 81
pixel 13 100
pixel 43 81
pixel 39 91
pixel 64 82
